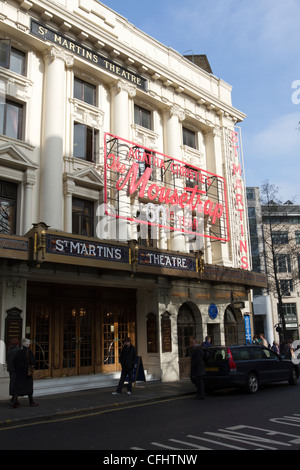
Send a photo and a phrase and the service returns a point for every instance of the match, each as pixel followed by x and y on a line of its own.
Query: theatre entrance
pixel 78 330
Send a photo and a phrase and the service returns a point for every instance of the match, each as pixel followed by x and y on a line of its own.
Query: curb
pixel 76 412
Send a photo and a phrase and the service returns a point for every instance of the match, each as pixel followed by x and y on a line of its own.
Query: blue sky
pixel 255 47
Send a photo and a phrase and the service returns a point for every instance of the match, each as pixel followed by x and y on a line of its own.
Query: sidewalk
pixel 64 404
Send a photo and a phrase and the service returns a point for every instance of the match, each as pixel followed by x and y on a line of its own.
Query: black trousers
pixel 198 381
pixel 125 373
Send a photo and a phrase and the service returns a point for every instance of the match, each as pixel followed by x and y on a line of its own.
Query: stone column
pixel 220 251
pixel 51 199
pixel 29 182
pixel 173 139
pixel 121 92
pixel 69 186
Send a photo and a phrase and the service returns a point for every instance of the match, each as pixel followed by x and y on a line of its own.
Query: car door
pixel 260 364
pixel 278 369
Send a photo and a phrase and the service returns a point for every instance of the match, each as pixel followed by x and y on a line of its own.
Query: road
pixel 227 420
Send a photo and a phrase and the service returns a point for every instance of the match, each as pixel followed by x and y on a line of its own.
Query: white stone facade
pixel 60 41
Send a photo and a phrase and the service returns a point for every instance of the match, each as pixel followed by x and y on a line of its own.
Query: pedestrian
pixel 23 362
pixel 255 339
pixel 263 340
pixel 127 360
pixel 207 342
pixel 287 349
pixel 275 347
pixel 197 368
pixel 14 347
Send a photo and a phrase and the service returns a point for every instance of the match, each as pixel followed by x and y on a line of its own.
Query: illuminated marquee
pixel 147 187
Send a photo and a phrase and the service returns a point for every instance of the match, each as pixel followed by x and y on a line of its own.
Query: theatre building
pixel 122 195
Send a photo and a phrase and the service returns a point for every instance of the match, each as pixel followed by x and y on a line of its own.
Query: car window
pixel 267 353
pixel 257 353
pixel 261 353
pixel 213 355
pixel 241 354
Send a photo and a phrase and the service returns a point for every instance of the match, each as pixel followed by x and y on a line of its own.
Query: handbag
pixel 31 367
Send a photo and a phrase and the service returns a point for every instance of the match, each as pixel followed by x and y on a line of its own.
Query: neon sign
pixel 234 142
pixel 148 187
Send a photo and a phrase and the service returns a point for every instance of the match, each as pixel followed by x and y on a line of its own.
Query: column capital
pixel 174 110
pixel 122 85
pixel 57 53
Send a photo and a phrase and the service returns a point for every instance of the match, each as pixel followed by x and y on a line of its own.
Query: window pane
pixel 83 217
pixel 77 89
pixel 89 94
pixel 85 142
pixel 84 91
pixel 17 61
pixel 189 138
pixel 79 148
pixel 12 127
pixel 4 53
pixel 8 197
pixel 142 117
pixel 2 114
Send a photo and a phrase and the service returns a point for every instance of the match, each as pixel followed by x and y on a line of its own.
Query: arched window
pixel 230 325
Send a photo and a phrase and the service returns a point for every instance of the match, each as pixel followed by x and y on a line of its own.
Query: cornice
pixel 105 38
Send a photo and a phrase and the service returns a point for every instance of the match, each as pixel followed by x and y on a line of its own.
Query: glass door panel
pixel 115 329
pixel 78 339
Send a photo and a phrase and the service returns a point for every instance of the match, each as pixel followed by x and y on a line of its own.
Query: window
pixel 85 142
pixel 11 119
pixel 289 309
pixel 280 238
pixel 8 203
pixel 297 237
pixel 189 138
pixel 82 217
pixel 17 61
pixel 252 212
pixel 250 194
pixel 283 263
pixel 12 58
pixel 286 286
pixel 84 91
pixel 142 117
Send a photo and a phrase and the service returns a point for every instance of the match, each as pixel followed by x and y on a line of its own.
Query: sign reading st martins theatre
pixel 99 251
pixel 47 34
pixel 147 187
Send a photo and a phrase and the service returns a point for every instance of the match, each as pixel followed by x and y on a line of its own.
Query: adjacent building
pixel 275 249
pixel 122 196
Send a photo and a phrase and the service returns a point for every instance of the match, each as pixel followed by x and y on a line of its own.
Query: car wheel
pixel 293 380
pixel 251 383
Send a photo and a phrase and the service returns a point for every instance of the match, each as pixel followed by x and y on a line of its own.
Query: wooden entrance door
pixel 117 324
pixel 78 344
pixel 186 330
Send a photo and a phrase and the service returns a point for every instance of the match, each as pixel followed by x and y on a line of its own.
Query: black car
pixel 247 366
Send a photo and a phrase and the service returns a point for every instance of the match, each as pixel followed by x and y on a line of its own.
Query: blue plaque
pixel 213 311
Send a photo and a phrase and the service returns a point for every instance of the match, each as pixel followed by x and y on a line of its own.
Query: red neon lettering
pixel 237 169
pixel 154 191
pixel 243 246
pixel 133 185
pixel 116 165
pixel 239 199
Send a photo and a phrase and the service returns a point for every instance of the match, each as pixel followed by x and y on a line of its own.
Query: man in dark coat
pixel 197 368
pixel 127 360
pixel 23 382
pixel 14 347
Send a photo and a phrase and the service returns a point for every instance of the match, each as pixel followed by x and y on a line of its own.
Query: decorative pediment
pixel 11 156
pixel 88 177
